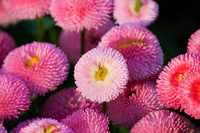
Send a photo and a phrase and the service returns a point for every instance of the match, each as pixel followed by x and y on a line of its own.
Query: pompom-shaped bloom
pixel 92 38
pixel 163 121
pixel 189 92
pixel 88 121
pixel 101 74
pixel 78 14
pixel 14 97
pixel 21 125
pixel 138 99
pixel 64 103
pixel 6 17
pixel 27 9
pixel 7 44
pixel 2 129
pixel 41 65
pixel 171 76
pixel 194 42
pixel 140 12
pixel 45 125
pixel 139 46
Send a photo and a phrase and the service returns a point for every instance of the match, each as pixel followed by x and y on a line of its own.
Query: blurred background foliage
pixel 177 20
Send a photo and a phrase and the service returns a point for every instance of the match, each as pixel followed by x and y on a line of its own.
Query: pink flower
pixel 14 97
pixel 140 48
pixel 75 15
pixel 41 65
pixel 171 76
pixel 163 121
pixel 194 42
pixel 101 74
pixel 2 129
pixel 65 102
pixel 7 44
pixel 72 48
pixel 21 125
pixel 139 99
pixel 140 12
pixel 88 121
pixel 189 92
pixel 46 125
pixel 27 9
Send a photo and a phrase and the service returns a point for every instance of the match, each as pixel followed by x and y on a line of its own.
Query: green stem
pixel 104 107
pixel 41 29
pixel 83 41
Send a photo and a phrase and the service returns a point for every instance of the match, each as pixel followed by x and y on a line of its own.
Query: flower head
pixel 65 102
pixel 2 129
pixel 101 74
pixel 139 47
pixel 88 121
pixel 78 14
pixel 171 76
pixel 14 97
pixel 194 42
pixel 140 12
pixel 27 9
pixel 41 65
pixel 72 48
pixel 7 44
pixel 138 99
pixel 163 121
pixel 21 125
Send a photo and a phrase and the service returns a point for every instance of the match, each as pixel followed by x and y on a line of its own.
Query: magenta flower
pixel 194 42
pixel 75 15
pixel 101 74
pixel 41 65
pixel 14 97
pixel 139 47
pixel 7 44
pixel 45 125
pixel 163 121
pixel 140 12
pixel 88 121
pixel 189 92
pixel 65 102
pixel 27 9
pixel 2 129
pixel 139 99
pixel 72 48
pixel 171 76
pixel 21 125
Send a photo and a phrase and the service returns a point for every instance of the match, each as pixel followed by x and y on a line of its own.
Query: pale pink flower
pixel 88 121
pixel 140 12
pixel 42 66
pixel 75 15
pixel 70 42
pixel 21 125
pixel 194 42
pixel 101 74
pixel 140 48
pixel 63 103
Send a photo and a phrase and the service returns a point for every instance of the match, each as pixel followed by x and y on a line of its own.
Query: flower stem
pixel 83 41
pixel 41 29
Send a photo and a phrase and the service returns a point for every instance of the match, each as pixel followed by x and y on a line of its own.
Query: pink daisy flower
pixel 14 97
pixel 88 121
pixel 140 48
pixel 45 125
pixel 6 17
pixel 140 12
pixel 194 42
pixel 7 44
pixel 189 92
pixel 163 121
pixel 21 125
pixel 101 74
pixel 172 75
pixel 65 102
pixel 2 129
pixel 41 65
pixel 139 99
pixel 27 9
pixel 75 15
pixel 92 38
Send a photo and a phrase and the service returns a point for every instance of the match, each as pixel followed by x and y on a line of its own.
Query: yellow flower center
pixel 138 5
pixel 125 44
pixel 101 73
pixel 180 77
pixel 32 61
pixel 50 129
